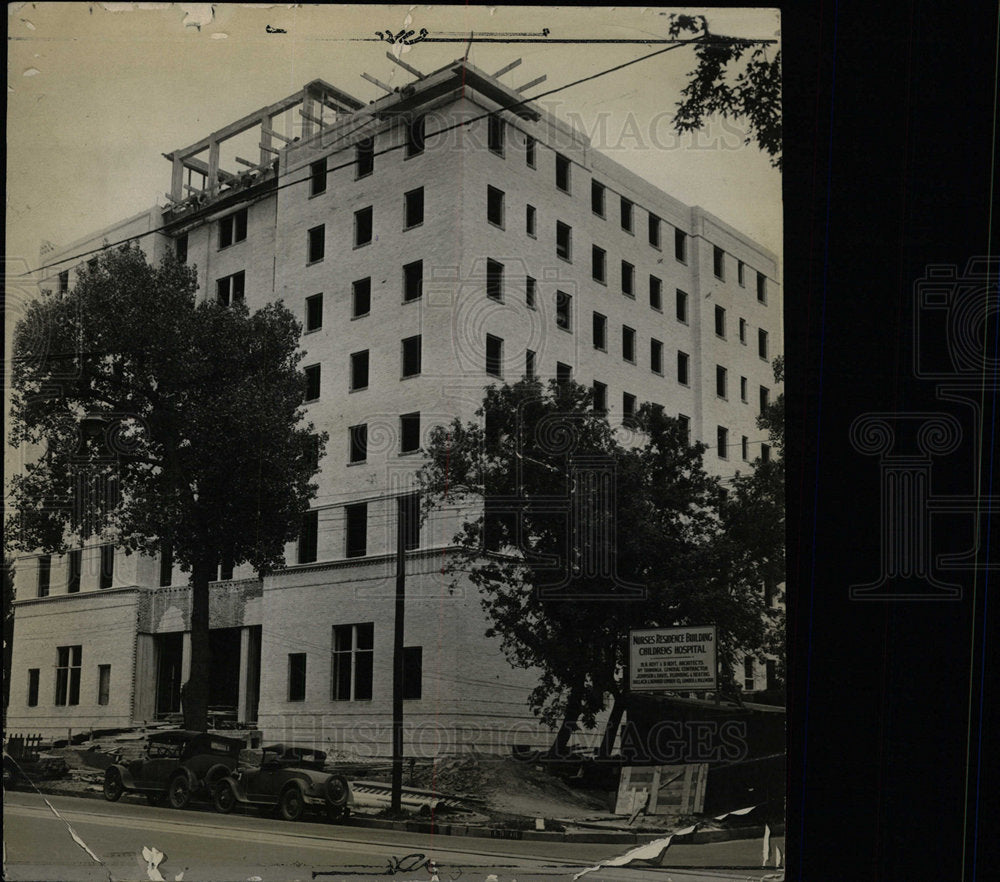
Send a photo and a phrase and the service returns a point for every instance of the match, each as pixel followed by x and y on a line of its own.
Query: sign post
pixel 673 659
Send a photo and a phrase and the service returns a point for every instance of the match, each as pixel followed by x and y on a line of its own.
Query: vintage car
pixel 178 765
pixel 290 780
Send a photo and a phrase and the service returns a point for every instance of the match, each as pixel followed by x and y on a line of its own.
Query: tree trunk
pixel 611 729
pixel 195 692
pixel 573 705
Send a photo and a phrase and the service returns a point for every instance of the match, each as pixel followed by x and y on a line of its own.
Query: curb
pixel 478 831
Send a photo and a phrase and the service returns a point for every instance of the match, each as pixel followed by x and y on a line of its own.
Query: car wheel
pixel 337 790
pixel 225 798
pixel 179 792
pixel 291 805
pixel 113 787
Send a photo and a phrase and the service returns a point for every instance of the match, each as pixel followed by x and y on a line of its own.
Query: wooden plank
pixel 378 83
pixel 278 135
pixel 315 119
pixel 268 148
pixel 534 82
pixel 509 67
pixel 247 162
pixel 405 66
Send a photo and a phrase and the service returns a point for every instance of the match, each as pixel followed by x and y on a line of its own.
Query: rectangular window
pixel 762 343
pixel 564 373
pixel 722 442
pixel 628 279
pixel 494 280
pixel 317 243
pixel 44 574
pixel 361 297
pixel 680 245
pixel 180 250
pixel 364 154
pixel 743 389
pixel 226 568
pixel 685 422
pixel 362 227
pixel 744 447
pixel 314 312
pixel 312 382
pixel 494 206
pixel 359 370
pixel 720 381
pixel 356 516
pixel 529 151
pixel 564 236
pixel 597 192
pixel 415 132
pixel 494 356
pixel 529 220
pixel 166 564
pixel 358 436
pixel 64 280
pixel 628 343
pixel 103 684
pixel 233 228
pixel 308 537
pixel 564 311
pixel 720 322
pixel 761 288
pixel 655 294
pixel 68 663
pixel 764 399
pixel 741 274
pixel 410 509
pixel 33 675
pixel 413 281
pixel 231 289
pixel 599 262
pixel 656 356
pixel 107 566
pixel 765 452
pixel 683 363
pixel 654 230
pixel 600 332
pixel 748 678
pixel 353 652
pixel 75 569
pixel 529 365
pixel 317 177
pixel 682 306
pixel 413 207
pixel 718 262
pixel 562 173
pixel 628 212
pixel 296 676
pixel 496 134
pixel 530 292
pixel 409 432
pixel 413 672
pixel 628 409
pixel 600 394
pixel 411 356
pixel 743 331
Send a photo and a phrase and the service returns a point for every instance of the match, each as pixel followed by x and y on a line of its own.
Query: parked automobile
pixel 178 765
pixel 291 780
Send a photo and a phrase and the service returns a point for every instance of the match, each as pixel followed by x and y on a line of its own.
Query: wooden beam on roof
pixel 378 83
pixel 279 136
pixel 268 148
pixel 318 120
pixel 534 82
pixel 243 161
pixel 509 67
pixel 405 66
pixel 203 169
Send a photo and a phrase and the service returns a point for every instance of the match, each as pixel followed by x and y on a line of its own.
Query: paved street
pixel 209 847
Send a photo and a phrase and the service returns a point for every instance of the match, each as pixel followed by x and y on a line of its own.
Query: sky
pixel 97 92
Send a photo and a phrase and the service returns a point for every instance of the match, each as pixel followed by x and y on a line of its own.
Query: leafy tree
pixel 574 537
pixel 754 95
pixel 161 419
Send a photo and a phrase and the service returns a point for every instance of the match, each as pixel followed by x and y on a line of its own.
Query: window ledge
pixel 314 262
pixel 413 226
pixel 361 315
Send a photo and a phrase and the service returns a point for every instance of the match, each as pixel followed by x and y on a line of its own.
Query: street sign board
pixel 673 659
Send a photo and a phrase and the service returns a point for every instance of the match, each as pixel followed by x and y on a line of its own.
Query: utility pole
pixel 397 658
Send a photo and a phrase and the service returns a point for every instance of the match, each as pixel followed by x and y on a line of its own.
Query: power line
pixel 444 130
